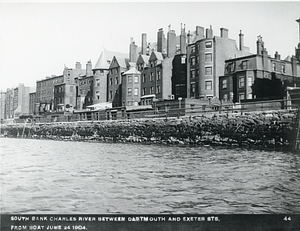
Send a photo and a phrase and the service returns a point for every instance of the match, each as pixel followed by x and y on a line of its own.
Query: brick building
pixel 206 55
pixel 258 76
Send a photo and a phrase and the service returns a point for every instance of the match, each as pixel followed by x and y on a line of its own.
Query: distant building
pixel 2 105
pixel 258 76
pixel 32 103
pixel 206 55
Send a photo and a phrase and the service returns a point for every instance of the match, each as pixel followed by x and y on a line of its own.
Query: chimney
pixel 277 56
pixel 183 40
pixel 78 65
pixel 89 71
pixel 259 45
pixel 189 37
pixel 209 32
pixel 200 31
pixel 160 40
pixel 298 49
pixel 241 37
pixel 224 32
pixel 144 43
pixel 294 65
pixel 132 51
pixel 171 42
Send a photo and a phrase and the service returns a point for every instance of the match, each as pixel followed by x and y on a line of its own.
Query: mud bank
pixel 274 130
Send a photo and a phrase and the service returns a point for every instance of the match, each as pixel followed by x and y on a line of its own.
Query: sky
pixel 38 39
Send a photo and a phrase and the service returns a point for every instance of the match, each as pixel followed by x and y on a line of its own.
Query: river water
pixel 45 176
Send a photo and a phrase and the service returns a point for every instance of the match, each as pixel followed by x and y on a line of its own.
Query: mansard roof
pixel 106 58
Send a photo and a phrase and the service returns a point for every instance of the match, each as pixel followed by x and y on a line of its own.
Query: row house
pixel 131 87
pixel 258 76
pixel 118 66
pixel 45 88
pixel 100 72
pixel 206 55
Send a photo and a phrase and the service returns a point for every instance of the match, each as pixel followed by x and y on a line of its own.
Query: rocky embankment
pixel 266 130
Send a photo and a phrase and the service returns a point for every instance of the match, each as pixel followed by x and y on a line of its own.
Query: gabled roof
pixel 143 59
pixel 122 62
pixel 133 70
pixel 106 57
pixel 288 58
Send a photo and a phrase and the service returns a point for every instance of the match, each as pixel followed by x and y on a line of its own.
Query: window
pixel 208 57
pixel 231 95
pixel 193 87
pixel 208 70
pixel 144 91
pixel 129 91
pixel 136 79
pixel 158 75
pixel 97 94
pixel 193 61
pixel 158 89
pixel 192 49
pixel 244 65
pixel 283 68
pixel 274 66
pixel 192 74
pixel 183 60
pixel 117 80
pixel 97 82
pixel 250 96
pixel 117 71
pixel 101 72
pixel 129 79
pixel 224 83
pixel 136 91
pixel 208 44
pixel 144 78
pixel 250 80
pixel 225 97
pixel 110 81
pixel 208 85
pixel 110 95
pixel 151 90
pixel 151 76
pixel 242 96
pixel 241 81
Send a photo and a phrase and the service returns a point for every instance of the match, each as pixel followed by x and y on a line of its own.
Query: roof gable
pixel 106 58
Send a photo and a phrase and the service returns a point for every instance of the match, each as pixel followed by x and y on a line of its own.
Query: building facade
pixel 2 105
pixel 206 55
pixel 117 67
pixel 32 103
pixel 258 76
pixel 100 72
pixel 131 87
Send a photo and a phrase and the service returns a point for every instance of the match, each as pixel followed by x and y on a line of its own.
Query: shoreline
pixel 263 131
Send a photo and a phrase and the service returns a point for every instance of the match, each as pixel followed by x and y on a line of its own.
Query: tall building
pixel 298 47
pixel 100 72
pixel 9 110
pixel 32 103
pixel 2 105
pixel 258 76
pixel 206 55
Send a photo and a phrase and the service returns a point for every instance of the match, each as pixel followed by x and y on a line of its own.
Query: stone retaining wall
pixel 267 130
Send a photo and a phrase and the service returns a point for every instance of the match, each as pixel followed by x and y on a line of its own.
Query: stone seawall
pixel 267 130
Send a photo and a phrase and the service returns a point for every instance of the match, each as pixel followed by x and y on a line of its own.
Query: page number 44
pixel 286 218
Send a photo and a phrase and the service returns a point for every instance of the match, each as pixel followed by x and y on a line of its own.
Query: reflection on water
pixel 44 176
